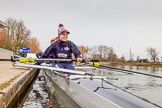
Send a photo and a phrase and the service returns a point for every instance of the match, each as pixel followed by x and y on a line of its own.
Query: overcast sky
pixel 122 24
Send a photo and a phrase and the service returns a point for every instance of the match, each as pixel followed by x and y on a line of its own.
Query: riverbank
pixel 13 81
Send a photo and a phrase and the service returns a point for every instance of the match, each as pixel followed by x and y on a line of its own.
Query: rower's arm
pixel 75 50
pixel 47 52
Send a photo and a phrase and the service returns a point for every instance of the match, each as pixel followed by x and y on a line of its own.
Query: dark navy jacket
pixel 62 50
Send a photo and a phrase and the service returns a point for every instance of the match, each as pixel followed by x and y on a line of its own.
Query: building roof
pixel 2 24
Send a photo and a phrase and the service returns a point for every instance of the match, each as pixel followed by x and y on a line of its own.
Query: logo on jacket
pixel 62 55
pixel 66 48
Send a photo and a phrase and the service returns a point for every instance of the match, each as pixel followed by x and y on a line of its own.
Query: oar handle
pixel 13 59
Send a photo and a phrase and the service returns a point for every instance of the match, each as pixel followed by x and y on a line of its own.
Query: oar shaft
pixel 50 68
pixel 28 59
pixel 48 59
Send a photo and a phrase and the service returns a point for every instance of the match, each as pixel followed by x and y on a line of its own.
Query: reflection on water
pixel 143 86
pixel 152 70
pixel 39 97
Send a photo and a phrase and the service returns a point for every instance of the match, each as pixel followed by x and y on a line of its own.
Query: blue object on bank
pixel 24 51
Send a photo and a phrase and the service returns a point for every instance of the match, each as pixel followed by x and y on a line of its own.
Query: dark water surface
pixel 39 96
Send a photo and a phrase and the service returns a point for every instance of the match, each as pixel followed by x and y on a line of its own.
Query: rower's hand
pixel 79 59
pixel 37 63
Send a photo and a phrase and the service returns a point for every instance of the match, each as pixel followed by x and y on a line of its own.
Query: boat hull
pixel 72 95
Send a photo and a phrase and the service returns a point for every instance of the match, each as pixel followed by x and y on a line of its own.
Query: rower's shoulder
pixel 71 43
pixel 55 43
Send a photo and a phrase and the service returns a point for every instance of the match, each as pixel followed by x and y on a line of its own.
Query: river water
pixel 143 86
pixel 39 96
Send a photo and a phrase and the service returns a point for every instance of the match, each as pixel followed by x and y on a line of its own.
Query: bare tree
pixel 86 51
pixel 138 58
pixel 103 51
pixel 83 50
pixel 93 51
pixel 111 55
pixel 95 56
pixel 153 53
pixel 17 34
pixel 131 55
pixel 33 44
pixel 123 58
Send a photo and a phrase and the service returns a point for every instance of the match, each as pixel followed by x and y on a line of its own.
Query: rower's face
pixel 63 36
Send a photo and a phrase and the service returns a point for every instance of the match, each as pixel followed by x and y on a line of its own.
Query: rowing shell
pixel 72 95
